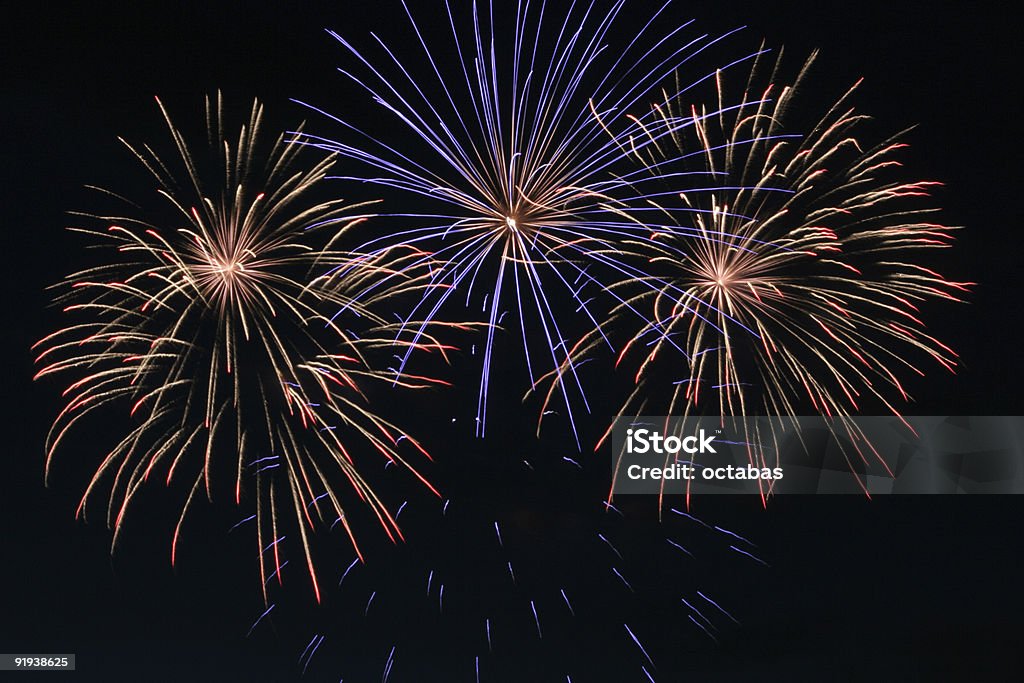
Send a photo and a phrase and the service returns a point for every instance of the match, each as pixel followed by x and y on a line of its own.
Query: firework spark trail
pixel 804 279
pixel 205 329
pixel 570 583
pixel 520 179
pixel 388 666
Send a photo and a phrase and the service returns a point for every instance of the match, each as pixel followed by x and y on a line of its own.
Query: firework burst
pixel 205 333
pixel 508 160
pixel 801 284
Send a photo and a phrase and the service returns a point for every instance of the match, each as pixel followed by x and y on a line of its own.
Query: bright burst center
pixel 510 222
pixel 229 269
pixel 224 276
pixel 719 276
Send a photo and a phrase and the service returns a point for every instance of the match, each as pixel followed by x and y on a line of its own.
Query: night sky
pixel 892 589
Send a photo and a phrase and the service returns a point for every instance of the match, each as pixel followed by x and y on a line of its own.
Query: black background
pixel 901 589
